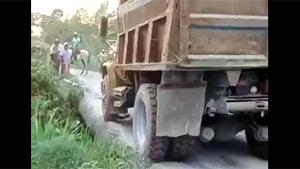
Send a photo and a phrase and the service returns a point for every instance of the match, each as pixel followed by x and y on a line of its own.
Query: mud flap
pixel 180 110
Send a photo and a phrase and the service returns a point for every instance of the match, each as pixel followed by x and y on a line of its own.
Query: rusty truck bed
pixel 199 34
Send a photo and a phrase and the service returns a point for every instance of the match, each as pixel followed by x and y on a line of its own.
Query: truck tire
pixel 181 147
pixel 144 125
pixel 107 101
pixel 259 149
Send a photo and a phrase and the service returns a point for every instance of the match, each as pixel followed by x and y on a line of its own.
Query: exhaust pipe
pixel 248 106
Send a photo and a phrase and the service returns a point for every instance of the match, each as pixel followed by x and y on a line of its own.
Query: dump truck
pixel 190 70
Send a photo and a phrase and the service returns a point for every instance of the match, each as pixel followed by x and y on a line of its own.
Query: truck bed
pixel 192 34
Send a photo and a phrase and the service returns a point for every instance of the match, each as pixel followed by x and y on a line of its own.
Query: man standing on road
pixel 66 59
pixel 54 51
pixel 76 40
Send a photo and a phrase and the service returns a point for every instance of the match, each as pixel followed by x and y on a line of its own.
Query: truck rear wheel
pixel 181 147
pixel 107 101
pixel 144 124
pixel 259 149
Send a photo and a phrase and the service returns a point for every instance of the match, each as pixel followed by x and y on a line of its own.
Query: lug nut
pixel 253 90
pixel 207 134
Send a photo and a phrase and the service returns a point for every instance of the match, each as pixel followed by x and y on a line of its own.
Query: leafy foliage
pixel 58 141
pixel 54 26
pixel 58 138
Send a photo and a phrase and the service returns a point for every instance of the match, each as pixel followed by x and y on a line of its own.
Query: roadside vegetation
pixel 58 139
pixel 57 25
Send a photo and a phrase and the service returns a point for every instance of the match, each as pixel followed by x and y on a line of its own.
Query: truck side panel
pixel 231 41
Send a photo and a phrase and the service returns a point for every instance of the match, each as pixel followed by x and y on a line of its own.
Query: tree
pixel 57 14
pixel 35 19
pixel 81 16
pixel 87 26
pixel 113 28
pixel 100 12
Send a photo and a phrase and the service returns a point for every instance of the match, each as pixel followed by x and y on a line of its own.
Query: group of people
pixel 62 56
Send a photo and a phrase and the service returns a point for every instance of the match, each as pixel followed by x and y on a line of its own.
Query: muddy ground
pixel 229 155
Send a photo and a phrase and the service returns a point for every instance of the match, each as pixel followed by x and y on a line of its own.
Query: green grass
pixel 57 140
pixel 60 148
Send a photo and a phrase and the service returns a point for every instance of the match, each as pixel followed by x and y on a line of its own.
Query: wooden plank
pixel 135 44
pixel 148 43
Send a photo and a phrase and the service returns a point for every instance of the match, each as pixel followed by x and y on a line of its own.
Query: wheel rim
pixel 141 123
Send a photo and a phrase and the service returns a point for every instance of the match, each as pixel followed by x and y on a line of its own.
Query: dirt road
pixel 230 155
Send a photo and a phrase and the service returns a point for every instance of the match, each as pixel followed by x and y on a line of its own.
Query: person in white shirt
pixel 54 51
pixel 65 56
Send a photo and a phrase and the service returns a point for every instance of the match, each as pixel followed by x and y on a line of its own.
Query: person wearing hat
pixel 54 51
pixel 76 40
pixel 65 56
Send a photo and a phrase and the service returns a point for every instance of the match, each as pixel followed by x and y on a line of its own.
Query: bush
pixel 57 139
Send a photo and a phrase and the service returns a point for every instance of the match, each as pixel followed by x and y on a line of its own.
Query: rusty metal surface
pixel 177 113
